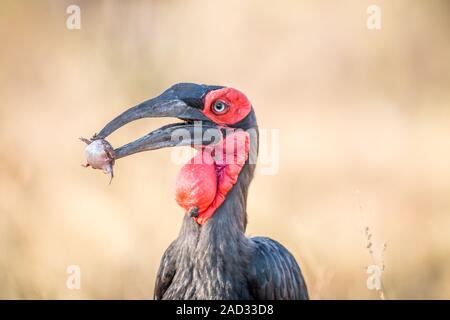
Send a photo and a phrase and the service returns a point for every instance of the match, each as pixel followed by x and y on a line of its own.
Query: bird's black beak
pixel 183 101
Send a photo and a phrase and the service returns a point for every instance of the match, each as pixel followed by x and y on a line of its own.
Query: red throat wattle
pixel 205 180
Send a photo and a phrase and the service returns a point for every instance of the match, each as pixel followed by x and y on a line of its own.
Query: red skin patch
pixel 238 106
pixel 196 183
pixel 206 179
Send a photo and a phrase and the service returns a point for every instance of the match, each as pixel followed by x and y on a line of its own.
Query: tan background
pixel 363 116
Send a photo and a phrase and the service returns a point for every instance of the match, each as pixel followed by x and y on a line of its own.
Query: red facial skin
pixel 206 179
pixel 238 106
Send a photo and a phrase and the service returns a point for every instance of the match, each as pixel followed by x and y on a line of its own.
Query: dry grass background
pixel 364 116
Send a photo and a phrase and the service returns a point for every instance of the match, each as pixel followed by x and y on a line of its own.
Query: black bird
pixel 212 258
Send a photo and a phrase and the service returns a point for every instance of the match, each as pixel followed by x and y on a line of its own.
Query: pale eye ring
pixel 219 107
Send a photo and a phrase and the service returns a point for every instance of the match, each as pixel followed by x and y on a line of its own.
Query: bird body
pixel 212 258
pixel 218 261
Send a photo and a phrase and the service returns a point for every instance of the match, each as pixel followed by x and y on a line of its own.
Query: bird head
pixel 217 121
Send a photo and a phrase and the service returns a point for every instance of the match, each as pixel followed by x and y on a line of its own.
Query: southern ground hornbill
pixel 212 258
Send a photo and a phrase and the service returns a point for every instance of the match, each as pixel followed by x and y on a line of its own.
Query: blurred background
pixel 364 124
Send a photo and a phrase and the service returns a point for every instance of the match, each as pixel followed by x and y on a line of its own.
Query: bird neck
pixel 217 250
pixel 232 214
pixel 205 182
pixel 229 222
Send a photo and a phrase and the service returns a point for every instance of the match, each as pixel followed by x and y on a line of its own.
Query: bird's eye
pixel 219 107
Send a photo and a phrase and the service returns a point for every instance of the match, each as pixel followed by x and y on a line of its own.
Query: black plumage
pixel 218 261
